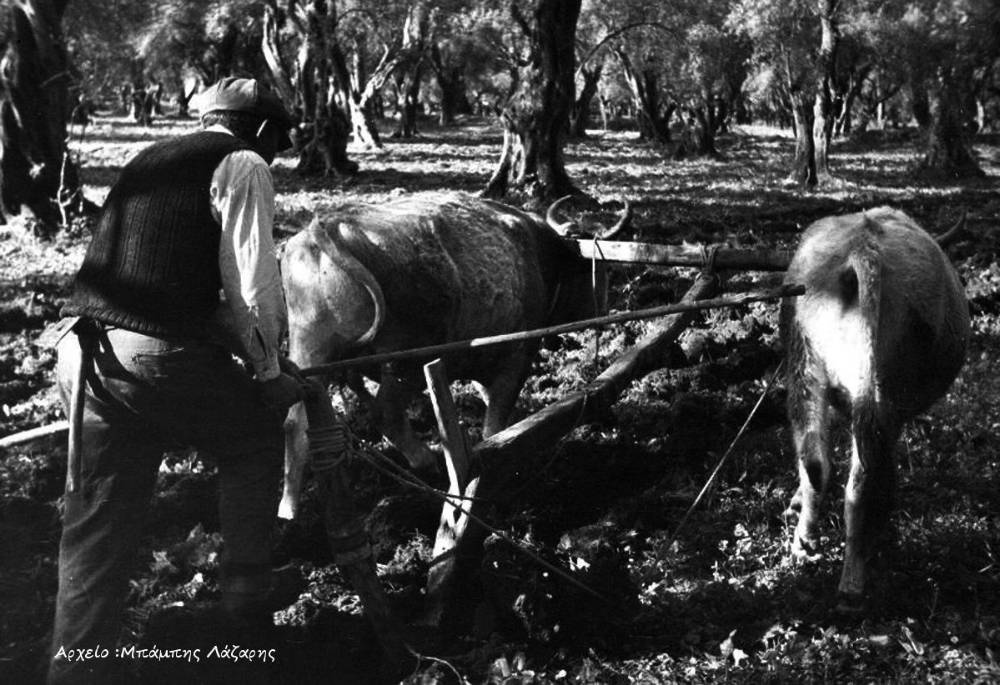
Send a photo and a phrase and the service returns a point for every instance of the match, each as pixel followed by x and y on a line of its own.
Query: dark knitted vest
pixel 153 263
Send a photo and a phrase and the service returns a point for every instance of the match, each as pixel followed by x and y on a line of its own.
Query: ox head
pixel 582 291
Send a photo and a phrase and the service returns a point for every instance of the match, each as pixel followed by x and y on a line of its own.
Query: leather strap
pixel 85 334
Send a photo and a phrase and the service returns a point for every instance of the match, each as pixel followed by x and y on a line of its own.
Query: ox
pixel 423 271
pixel 881 333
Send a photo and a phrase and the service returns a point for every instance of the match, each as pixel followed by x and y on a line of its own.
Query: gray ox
pixel 423 271
pixel 880 332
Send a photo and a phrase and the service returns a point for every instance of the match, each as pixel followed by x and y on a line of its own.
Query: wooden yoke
pixel 345 526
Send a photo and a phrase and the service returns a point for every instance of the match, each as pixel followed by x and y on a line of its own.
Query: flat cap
pixel 233 94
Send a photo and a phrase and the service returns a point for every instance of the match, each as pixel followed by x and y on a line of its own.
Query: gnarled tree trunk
pixel 813 123
pixel 707 119
pixel 652 117
pixel 451 81
pixel 35 170
pixel 410 72
pixel 408 101
pixel 323 130
pixel 803 171
pixel 580 117
pixel 357 89
pixel 822 129
pixel 947 152
pixel 536 116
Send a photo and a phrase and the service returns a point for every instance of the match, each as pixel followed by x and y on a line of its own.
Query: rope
pixel 593 292
pixel 725 456
pixel 328 447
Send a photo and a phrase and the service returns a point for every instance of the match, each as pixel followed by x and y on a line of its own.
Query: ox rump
pixel 881 333
pixel 423 271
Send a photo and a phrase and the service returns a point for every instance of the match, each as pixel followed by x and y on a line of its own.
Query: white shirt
pixel 242 198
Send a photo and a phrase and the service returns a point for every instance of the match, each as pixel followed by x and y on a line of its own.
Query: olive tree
pixel 536 114
pixel 948 47
pixel 36 171
pixel 799 40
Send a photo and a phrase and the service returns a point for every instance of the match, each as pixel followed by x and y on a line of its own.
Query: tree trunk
pixel 35 170
pixel 580 118
pixel 844 122
pixel 536 116
pixel 323 131
pixel 803 171
pixel 451 81
pixel 920 104
pixel 415 32
pixel 652 119
pixel 184 99
pixel 822 128
pixel 362 119
pixel 325 127
pixel 706 125
pixel 453 98
pixel 408 93
pixel 947 152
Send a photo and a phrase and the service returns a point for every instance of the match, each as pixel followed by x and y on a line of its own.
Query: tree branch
pixel 617 32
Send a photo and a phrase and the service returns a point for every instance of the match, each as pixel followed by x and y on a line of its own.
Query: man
pixel 180 276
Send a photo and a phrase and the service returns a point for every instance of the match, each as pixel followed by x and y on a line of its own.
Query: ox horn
pixel 624 222
pixel 563 228
pixel 954 233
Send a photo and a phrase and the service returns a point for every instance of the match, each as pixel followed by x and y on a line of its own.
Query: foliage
pixel 100 39
pixel 213 39
pixel 163 40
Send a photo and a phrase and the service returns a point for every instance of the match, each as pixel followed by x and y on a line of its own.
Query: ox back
pixel 423 271
pixel 880 333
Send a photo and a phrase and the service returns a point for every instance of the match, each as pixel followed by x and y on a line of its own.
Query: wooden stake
pixel 56 429
pixel 454 521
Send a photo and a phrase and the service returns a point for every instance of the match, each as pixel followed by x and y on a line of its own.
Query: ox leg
pixel 501 394
pixel 307 346
pixel 392 400
pixel 296 456
pixel 868 499
pixel 810 420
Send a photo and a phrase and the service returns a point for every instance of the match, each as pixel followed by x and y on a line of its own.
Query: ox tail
pixel 861 283
pixel 345 259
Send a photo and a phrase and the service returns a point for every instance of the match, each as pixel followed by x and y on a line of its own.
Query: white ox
pixel 421 271
pixel 881 332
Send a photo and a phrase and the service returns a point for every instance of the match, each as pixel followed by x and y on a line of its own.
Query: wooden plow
pixel 480 476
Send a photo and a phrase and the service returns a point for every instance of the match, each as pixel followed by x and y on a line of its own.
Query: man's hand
pixel 311 387
pixel 281 392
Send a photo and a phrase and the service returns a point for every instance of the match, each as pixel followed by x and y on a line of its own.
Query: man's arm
pixel 252 318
